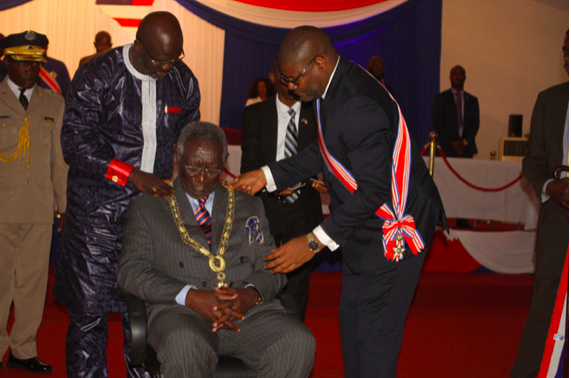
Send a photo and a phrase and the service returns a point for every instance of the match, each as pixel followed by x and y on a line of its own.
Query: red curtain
pixel 312 5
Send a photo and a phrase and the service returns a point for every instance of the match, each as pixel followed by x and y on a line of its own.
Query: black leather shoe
pixel 34 365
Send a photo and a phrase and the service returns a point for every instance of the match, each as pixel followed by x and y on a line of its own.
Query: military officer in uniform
pixel 32 185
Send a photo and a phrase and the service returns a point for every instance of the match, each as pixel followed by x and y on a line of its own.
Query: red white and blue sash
pixel 555 344
pixel 398 227
pixel 49 80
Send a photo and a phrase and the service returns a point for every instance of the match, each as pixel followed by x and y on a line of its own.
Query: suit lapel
pixel 218 215
pixel 306 129
pixel 561 101
pixel 270 128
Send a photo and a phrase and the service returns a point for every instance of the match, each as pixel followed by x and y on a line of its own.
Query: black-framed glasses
pixel 161 62
pixel 210 172
pixel 285 80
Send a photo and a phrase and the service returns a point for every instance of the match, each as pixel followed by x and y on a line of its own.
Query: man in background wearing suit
pixel 359 125
pixel 32 177
pixel 196 260
pixel 266 140
pixel 456 117
pixel 102 43
pixel 548 149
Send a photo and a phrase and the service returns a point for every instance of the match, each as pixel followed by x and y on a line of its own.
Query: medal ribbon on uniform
pixel 398 227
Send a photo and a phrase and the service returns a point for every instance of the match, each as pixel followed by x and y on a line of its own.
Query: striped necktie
pixel 291 148
pixel 203 219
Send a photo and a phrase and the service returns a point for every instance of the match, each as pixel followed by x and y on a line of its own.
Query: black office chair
pixel 143 355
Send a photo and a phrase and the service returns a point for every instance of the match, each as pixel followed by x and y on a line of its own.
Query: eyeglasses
pixel 210 172
pixel 161 62
pixel 285 80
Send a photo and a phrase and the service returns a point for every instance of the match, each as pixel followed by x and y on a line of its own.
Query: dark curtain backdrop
pixel 408 38
pixel 7 4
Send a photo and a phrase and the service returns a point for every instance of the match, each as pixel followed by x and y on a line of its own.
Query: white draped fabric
pixel 289 19
pixel 502 252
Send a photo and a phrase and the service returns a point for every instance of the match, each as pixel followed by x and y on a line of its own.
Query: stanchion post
pixel 433 135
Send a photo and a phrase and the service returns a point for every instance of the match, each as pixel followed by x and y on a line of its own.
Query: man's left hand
pixel 234 304
pixel 289 256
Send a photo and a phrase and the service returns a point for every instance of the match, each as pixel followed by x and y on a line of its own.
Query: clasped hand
pixel 222 306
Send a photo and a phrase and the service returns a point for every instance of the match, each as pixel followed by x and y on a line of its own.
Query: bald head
pixel 158 45
pixel 307 59
pixel 305 42
pixel 102 41
pixel 160 30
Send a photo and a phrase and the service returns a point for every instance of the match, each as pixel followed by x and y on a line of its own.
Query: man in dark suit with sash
pixel 384 204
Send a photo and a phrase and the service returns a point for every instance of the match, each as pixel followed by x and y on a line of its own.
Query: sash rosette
pixel 398 227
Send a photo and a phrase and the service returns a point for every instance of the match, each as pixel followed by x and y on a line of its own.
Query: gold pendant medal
pixel 216 262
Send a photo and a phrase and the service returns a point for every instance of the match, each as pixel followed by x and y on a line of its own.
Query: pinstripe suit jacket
pixel 155 264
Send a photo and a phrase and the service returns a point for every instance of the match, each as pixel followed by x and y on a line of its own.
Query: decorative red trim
pixel 172 110
pixel 128 22
pixel 312 5
pixel 118 172
pixel 558 313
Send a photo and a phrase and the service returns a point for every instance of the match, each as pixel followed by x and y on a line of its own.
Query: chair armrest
pixel 136 310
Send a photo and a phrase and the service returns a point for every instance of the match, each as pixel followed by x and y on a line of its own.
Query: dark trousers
pixel 372 314
pixel 86 346
pixel 288 221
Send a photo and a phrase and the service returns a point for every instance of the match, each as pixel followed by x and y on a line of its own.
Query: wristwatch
pixel 313 244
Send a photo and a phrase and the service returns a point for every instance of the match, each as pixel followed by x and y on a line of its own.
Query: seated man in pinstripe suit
pixel 196 260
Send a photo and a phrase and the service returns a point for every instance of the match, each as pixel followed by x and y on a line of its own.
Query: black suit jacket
pixel 545 154
pixel 446 124
pixel 360 124
pixel 260 132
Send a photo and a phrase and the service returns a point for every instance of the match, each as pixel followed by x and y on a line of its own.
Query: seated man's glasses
pixel 210 172
pixel 285 80
pixel 161 62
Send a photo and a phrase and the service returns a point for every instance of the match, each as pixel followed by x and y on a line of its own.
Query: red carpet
pixel 460 325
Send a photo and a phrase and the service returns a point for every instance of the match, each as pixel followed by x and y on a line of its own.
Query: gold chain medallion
pixel 216 263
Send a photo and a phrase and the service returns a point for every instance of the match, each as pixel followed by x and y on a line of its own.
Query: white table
pixel 517 204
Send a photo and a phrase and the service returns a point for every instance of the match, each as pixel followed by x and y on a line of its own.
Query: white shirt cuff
pixel 181 297
pixel 324 238
pixel 544 196
pixel 270 183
